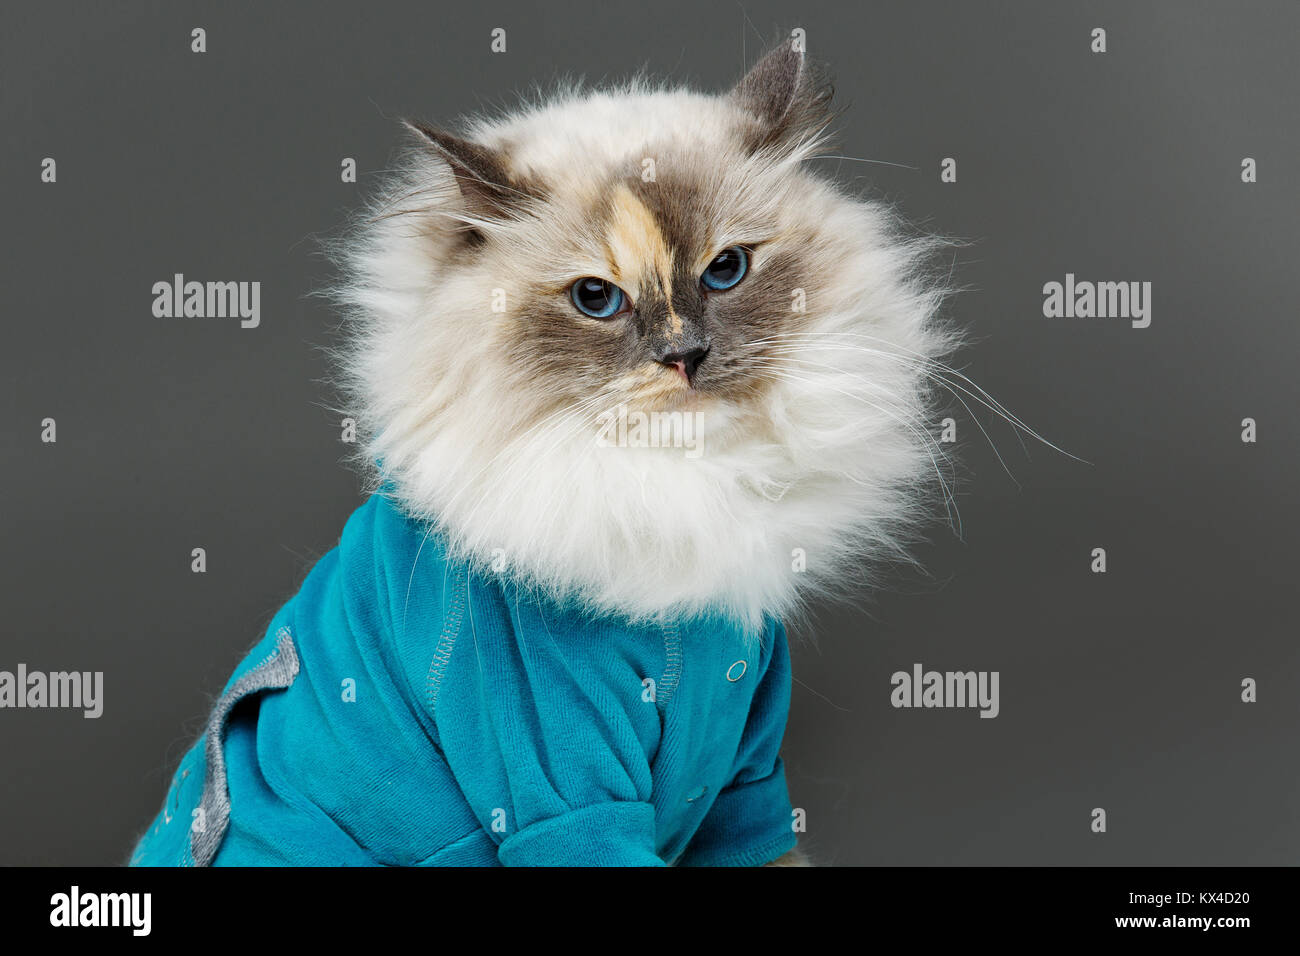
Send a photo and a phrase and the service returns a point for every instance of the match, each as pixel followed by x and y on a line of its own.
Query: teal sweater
pixel 407 709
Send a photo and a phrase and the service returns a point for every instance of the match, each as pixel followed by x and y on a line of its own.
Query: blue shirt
pixel 407 708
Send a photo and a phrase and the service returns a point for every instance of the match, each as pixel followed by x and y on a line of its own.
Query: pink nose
pixel 686 363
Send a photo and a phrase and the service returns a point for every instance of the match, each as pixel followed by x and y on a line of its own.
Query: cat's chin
pixel 684 399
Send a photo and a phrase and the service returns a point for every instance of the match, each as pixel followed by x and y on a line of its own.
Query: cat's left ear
pixel 481 174
pixel 789 97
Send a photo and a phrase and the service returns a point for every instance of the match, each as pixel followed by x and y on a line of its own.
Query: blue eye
pixel 726 270
pixel 596 297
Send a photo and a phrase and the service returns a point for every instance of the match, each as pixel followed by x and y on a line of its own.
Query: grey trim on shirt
pixel 276 672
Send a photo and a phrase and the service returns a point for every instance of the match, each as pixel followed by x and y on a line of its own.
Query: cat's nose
pixel 685 360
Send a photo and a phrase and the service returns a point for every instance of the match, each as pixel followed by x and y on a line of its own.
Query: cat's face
pixel 655 251
pixel 660 294
pixel 655 262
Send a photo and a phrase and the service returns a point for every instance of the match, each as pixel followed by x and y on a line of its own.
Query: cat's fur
pixel 816 427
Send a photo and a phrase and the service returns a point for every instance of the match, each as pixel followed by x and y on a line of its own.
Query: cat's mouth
pixel 668 387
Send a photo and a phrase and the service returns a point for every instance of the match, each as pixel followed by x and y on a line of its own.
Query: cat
pixel 637 383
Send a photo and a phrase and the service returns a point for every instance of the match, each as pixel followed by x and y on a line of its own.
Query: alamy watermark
pixel 208 300
pixel 1102 300
pixel 620 428
pixel 75 908
pixel 81 690
pixel 922 688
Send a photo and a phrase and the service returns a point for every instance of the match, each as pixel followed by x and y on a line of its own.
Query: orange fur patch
pixel 637 247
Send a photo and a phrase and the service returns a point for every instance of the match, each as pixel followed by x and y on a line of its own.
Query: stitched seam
pixel 447 641
pixel 478 833
pixel 672 663
pixel 759 855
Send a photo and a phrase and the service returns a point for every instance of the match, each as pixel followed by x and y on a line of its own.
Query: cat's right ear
pixel 787 94
pixel 481 174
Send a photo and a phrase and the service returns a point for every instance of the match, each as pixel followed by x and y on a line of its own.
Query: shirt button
pixel 736 671
pixel 696 794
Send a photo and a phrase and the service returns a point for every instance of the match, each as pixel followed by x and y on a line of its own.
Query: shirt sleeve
pixel 751 821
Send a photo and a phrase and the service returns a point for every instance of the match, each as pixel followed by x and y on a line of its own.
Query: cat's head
pixel 630 347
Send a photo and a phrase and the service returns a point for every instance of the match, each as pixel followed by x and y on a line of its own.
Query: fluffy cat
pixel 624 361
pixel 810 397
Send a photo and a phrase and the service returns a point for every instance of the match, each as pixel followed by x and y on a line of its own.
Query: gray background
pixel 1119 690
